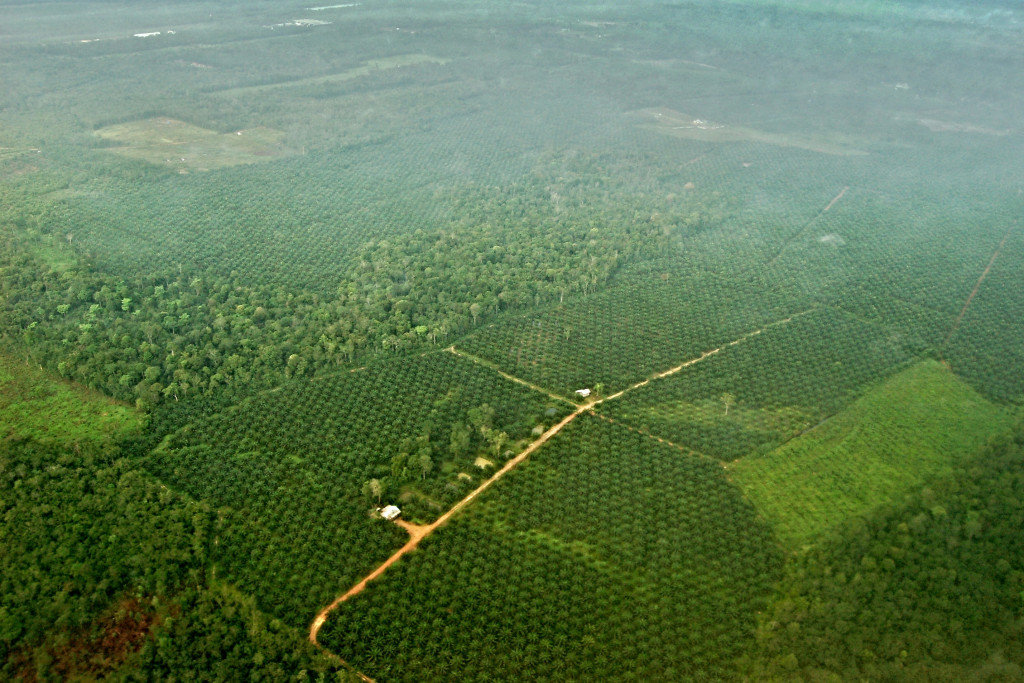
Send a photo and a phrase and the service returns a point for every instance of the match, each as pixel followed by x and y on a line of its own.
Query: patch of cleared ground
pixel 36 404
pixel 937 126
pixel 176 144
pixel 677 124
pixel 367 68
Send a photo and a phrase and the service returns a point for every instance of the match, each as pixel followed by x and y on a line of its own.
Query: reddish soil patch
pixel 98 649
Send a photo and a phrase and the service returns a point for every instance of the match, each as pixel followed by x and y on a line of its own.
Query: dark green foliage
pixel 438 166
pixel 657 316
pixel 82 527
pixel 987 345
pixel 236 306
pixel 104 574
pixel 216 634
pixel 931 588
pixel 784 380
pixel 607 556
pixel 292 463
pixel 903 431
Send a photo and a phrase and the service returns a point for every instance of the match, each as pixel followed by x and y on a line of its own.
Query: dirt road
pixel 418 532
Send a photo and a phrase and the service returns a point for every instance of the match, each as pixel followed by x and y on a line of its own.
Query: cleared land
pixel 367 68
pixel 34 403
pixel 917 424
pixel 186 147
pixel 677 124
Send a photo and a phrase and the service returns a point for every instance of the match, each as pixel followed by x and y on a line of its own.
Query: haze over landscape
pixel 416 340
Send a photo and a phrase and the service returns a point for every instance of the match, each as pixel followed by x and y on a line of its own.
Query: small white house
pixel 390 512
pixel 583 392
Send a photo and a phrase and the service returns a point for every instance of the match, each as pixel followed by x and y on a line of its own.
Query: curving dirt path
pixel 418 532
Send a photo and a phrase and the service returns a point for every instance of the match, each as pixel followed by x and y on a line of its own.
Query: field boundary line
pixel 977 286
pixel 493 366
pixel 650 435
pixel 419 532
pixel 803 228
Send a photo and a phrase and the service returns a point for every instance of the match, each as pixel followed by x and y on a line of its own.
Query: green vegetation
pixel 658 316
pixel 270 230
pixel 292 466
pixel 917 425
pixel 926 588
pixel 783 381
pixel 253 309
pixel 986 345
pixel 80 527
pixel 605 556
pixel 105 574
pixel 35 405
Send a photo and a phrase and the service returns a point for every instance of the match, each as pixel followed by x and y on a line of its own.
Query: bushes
pixel 291 464
pixel 82 527
pixel 928 587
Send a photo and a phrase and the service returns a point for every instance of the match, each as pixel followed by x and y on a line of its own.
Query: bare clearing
pixel 367 68
pixel 677 124
pixel 176 144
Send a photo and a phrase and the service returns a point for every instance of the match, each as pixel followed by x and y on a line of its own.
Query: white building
pixel 583 392
pixel 390 512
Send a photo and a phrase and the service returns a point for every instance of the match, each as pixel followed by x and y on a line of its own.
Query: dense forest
pixel 106 574
pixel 687 338
pixel 927 588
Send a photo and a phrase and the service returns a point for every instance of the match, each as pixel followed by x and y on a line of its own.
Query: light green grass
pixel 176 144
pixel 915 425
pixel 35 404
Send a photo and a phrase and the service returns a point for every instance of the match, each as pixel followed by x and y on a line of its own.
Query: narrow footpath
pixel 977 286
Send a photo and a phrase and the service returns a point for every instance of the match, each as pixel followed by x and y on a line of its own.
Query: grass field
pixel 35 404
pixel 915 425
pixel 186 147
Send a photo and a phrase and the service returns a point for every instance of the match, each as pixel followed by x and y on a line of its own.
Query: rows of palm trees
pixel 780 382
pixel 292 464
pixel 606 555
